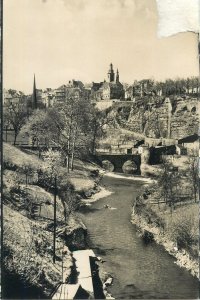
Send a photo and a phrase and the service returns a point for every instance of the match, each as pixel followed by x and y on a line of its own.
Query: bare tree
pixel 168 181
pixel 193 175
pixel 16 116
pixel 72 124
pixel 98 120
pixel 37 128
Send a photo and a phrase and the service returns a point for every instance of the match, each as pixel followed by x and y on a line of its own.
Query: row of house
pixel 46 97
pixel 109 89
pixel 12 97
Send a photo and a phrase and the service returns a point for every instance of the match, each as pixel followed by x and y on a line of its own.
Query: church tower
pixel 34 96
pixel 117 76
pixel 111 74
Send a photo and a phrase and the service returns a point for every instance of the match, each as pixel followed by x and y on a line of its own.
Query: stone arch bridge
pixel 118 160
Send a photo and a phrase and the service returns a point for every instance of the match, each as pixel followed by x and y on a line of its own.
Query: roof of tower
pixel 111 67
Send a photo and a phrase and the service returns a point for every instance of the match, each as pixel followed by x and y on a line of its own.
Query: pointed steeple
pixel 117 76
pixel 34 96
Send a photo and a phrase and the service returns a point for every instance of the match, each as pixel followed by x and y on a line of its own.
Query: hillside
pixel 28 212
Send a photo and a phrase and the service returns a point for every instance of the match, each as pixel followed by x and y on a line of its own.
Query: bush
pixel 183 231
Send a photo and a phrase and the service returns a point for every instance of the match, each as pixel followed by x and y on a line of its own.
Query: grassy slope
pixel 29 250
pixel 28 239
pixel 80 177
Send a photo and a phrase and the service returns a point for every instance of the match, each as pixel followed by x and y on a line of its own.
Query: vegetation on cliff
pixel 155 116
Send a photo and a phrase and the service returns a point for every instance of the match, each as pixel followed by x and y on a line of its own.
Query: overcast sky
pixel 59 40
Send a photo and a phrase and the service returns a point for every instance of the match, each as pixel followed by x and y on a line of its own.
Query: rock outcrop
pixel 185 119
pixel 74 234
pixel 170 118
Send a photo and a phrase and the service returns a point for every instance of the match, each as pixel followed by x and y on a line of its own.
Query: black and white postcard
pixel 100 138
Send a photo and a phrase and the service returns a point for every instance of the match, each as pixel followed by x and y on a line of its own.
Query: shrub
pixel 183 231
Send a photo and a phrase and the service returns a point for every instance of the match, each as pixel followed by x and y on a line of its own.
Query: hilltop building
pixel 73 88
pixel 110 89
pixel 13 97
pixel 48 97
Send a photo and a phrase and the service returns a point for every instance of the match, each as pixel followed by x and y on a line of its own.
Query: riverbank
pixel 29 199
pixel 29 205
pixel 154 226
pixel 100 193
pixel 158 226
pixel 124 257
pixel 144 179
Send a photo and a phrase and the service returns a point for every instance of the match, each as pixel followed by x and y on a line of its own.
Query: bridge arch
pixel 108 165
pixel 129 167
pixel 118 160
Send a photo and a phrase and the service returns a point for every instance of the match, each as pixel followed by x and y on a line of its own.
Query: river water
pixel 139 271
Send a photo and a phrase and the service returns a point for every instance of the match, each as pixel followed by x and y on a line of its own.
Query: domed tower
pixel 117 76
pixel 111 74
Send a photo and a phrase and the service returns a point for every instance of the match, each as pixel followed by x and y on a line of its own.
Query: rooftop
pixel 189 139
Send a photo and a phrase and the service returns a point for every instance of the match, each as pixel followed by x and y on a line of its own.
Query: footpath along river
pixel 139 271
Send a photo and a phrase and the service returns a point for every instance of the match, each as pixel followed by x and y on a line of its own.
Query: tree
pixel 72 125
pixel 12 92
pixel 193 175
pixel 98 121
pixel 15 115
pixel 188 85
pixel 65 126
pixel 80 120
pixel 37 128
pixel 168 181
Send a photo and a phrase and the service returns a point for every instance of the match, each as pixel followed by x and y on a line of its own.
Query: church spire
pixel 117 76
pixel 34 96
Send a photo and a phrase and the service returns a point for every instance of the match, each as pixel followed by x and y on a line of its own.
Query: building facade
pixel 110 89
pixel 73 89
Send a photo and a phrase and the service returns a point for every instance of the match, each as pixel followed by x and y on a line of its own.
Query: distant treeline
pixel 168 87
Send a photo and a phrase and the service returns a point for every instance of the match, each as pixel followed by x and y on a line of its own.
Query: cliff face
pixel 152 122
pixel 170 118
pixel 185 120
pixel 74 234
pixel 136 120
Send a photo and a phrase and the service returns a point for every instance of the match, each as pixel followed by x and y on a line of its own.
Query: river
pixel 139 271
